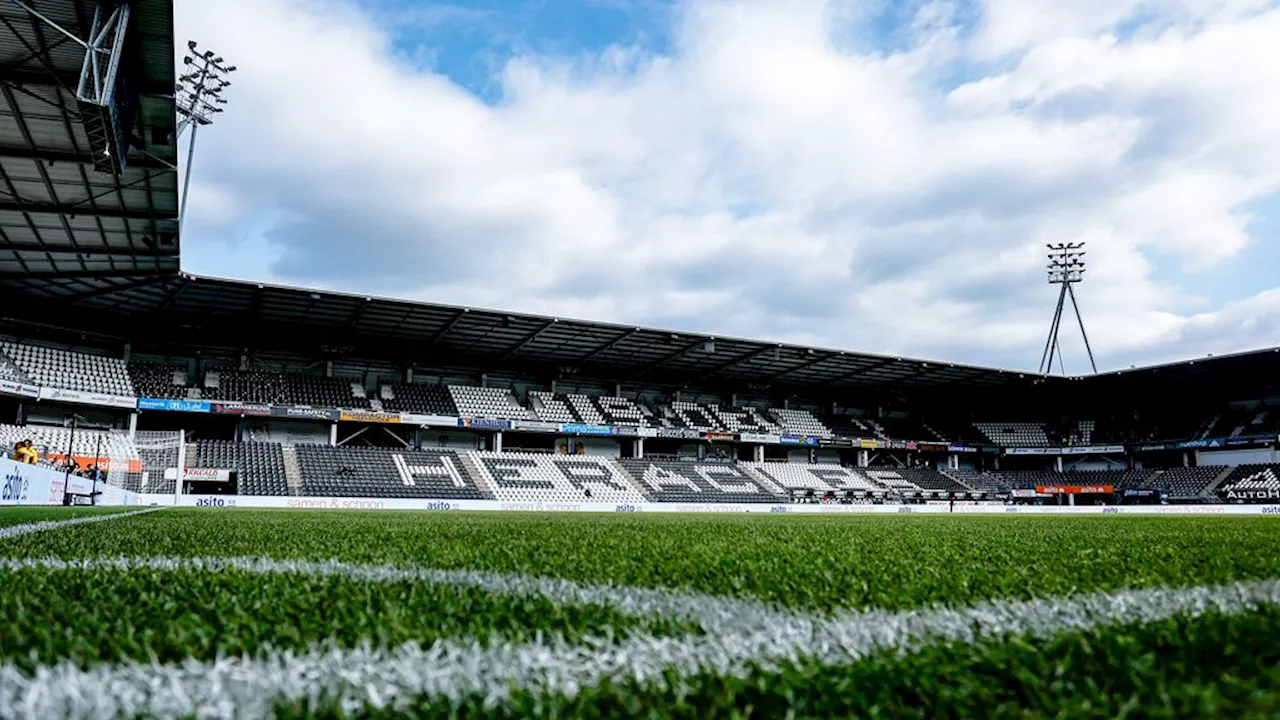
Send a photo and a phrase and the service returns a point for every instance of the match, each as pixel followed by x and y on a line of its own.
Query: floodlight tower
pixel 1066 268
pixel 198 96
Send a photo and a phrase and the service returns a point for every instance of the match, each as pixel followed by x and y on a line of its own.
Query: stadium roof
pixel 210 312
pixel 67 228
pixel 98 252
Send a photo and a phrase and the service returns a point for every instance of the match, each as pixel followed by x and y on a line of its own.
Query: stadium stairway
pixel 958 481
pixel 292 469
pixel 632 481
pixel 1210 491
pixel 477 473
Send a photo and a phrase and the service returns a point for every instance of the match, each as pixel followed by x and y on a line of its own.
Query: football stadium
pixel 235 499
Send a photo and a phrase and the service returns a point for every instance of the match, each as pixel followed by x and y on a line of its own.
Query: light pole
pixel 198 96
pixel 1066 268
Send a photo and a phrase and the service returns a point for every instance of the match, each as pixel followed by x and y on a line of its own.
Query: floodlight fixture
pixel 198 98
pixel 1066 269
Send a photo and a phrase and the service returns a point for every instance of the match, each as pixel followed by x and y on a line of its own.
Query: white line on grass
pixel 451 671
pixel 13 531
pixel 711 612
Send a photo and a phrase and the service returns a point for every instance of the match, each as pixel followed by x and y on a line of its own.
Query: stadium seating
pixel 50 367
pixel 418 398
pixel 51 439
pixel 1185 482
pixel 384 473
pixel 9 371
pixel 623 412
pixel 800 422
pixel 697 482
pixel 536 478
pixel 1252 482
pixel 1014 434
pixel 929 480
pixel 161 381
pixel 266 387
pixel 818 477
pixel 485 402
pixel 259 467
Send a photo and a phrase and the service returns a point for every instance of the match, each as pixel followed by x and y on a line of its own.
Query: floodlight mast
pixel 1066 269
pixel 198 96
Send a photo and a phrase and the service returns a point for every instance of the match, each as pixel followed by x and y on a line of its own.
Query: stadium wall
pixel 37 485
pixel 936 508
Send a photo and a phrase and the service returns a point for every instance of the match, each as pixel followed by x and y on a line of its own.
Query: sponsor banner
pixel 484 424
pixel 1029 451
pixel 680 433
pixel 625 430
pixel 302 412
pixel 239 408
pixel 331 503
pixel 87 398
pixel 364 416
pixel 1251 440
pixel 868 444
pixel 961 449
pixel 797 440
pixel 835 442
pixel 719 436
pixel 1023 493
pixel 932 447
pixel 38 485
pixel 759 438
pixel 582 429
pixel 1092 450
pixel 536 426
pixel 10 387
pixel 1142 493
pixel 647 432
pixel 1252 495
pixel 193 406
pixel 1075 489
pixel 428 420
pixel 206 474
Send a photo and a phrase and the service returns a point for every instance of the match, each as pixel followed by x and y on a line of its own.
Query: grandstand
pixel 297 393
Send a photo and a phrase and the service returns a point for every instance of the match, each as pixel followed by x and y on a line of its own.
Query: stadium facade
pixel 307 395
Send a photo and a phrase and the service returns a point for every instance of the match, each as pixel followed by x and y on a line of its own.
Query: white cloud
pixel 764 179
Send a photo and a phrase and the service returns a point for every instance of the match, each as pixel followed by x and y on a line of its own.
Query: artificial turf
pixel 36 513
pixel 1211 666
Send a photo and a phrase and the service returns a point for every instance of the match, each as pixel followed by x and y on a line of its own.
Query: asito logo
pixel 15 488
pixel 215 502
pixel 626 508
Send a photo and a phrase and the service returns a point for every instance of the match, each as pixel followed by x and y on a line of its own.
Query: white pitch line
pixel 713 613
pixel 13 531
pixel 452 671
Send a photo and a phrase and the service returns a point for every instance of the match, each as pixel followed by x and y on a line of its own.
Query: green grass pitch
pixel 240 613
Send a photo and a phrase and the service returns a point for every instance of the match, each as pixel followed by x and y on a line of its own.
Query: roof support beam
pixel 85 250
pixel 92 274
pixel 745 357
pixel 672 356
pixel 611 345
pixel 32 77
pixel 529 338
pixel 804 365
pixel 453 322
pixel 55 156
pixel 124 287
pixel 856 373
pixel 62 209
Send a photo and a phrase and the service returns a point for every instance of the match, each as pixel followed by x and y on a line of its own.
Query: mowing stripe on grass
pixel 14 531
pixel 711 612
pixel 455 672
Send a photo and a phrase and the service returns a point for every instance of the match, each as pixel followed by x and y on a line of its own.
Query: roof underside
pixel 67 228
pixel 210 313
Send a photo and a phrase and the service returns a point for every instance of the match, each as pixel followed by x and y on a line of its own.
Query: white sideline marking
pixel 13 531
pixel 453 671
pixel 712 613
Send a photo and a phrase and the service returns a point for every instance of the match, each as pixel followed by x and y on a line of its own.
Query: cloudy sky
pixel 861 174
